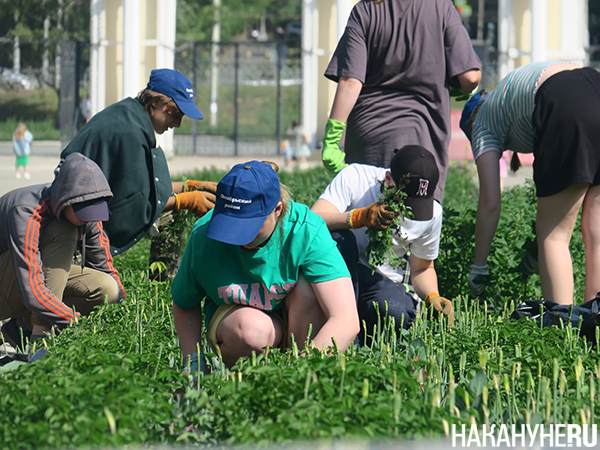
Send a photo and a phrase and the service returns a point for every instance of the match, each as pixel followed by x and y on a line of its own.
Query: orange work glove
pixel 377 216
pixel 193 185
pixel 441 305
pixel 196 202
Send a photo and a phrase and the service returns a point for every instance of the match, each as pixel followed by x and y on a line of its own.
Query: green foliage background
pixel 515 236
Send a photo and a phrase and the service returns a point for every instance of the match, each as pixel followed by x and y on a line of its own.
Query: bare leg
pixel 590 231
pixel 556 216
pixel 245 330
pixel 303 310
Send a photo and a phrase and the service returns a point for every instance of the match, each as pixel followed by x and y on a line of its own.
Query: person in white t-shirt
pixel 351 204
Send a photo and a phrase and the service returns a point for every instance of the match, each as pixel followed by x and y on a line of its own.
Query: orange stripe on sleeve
pixel 36 283
pixel 105 244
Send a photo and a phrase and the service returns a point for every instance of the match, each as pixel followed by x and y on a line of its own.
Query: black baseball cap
pixel 92 210
pixel 416 165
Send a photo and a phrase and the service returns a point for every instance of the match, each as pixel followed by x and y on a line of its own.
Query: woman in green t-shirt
pixel 267 268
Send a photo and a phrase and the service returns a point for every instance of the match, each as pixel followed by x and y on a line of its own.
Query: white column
pixel 131 47
pixel 214 56
pixel 166 16
pixel 310 20
pixel 165 31
pixel 505 63
pixel 344 8
pixel 584 8
pixel 539 26
pixel 97 56
pixel 574 38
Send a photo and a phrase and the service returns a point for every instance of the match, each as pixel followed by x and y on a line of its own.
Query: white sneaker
pixel 27 176
pixel 18 175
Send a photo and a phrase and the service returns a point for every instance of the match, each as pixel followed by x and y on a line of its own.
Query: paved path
pixel 45 156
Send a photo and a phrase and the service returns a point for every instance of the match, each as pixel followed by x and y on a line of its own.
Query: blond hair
pixel 286 195
pixel 20 132
pixel 285 198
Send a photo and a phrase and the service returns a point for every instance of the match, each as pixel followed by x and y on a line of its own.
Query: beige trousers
pixel 82 290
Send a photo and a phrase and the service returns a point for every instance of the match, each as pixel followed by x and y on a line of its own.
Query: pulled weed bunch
pixel 380 248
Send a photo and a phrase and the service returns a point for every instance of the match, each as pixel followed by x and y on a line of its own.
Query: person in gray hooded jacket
pixel 41 228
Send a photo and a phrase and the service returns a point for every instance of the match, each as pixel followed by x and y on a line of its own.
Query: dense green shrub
pixel 114 379
pixel 515 236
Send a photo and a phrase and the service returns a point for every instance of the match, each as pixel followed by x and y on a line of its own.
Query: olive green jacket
pixel 121 140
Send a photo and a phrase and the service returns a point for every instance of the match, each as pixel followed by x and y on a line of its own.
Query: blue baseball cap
pixel 468 110
pixel 174 84
pixel 245 197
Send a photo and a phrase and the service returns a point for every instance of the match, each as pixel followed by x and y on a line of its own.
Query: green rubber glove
pixel 332 156
pixel 459 94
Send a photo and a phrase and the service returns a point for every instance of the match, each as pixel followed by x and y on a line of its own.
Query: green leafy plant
pixel 114 379
pixel 380 247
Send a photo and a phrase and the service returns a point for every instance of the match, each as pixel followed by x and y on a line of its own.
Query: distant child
pixel 286 151
pixel 22 139
pixel 299 139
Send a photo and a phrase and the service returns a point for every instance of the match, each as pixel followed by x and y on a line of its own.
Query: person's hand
pixel 332 156
pixel 529 264
pixel 194 365
pixel 196 202
pixel 479 277
pixel 194 185
pixel 441 305
pixel 377 216
pixel 459 94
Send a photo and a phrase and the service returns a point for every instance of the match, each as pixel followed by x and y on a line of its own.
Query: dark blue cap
pixel 468 110
pixel 245 197
pixel 95 210
pixel 174 84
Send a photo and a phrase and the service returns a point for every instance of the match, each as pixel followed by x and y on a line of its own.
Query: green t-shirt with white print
pixel 261 278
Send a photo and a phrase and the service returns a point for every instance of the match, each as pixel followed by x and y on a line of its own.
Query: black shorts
pixel 566 123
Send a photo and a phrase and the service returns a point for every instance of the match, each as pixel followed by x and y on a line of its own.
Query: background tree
pixel 28 23
pixel 238 18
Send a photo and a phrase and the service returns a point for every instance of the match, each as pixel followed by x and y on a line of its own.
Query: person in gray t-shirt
pixel 394 66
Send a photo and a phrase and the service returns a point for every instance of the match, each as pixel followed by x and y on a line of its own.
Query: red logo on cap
pixel 423 185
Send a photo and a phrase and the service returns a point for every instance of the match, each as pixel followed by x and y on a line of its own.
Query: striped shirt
pixel 504 119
